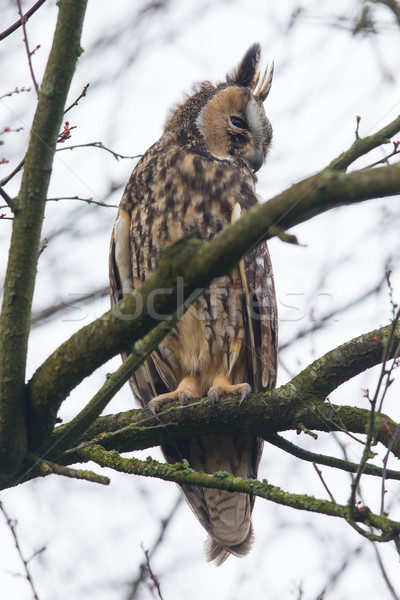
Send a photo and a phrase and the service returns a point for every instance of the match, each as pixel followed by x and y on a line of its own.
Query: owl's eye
pixel 238 122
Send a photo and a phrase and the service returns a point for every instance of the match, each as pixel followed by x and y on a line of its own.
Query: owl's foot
pixel 185 390
pixel 223 386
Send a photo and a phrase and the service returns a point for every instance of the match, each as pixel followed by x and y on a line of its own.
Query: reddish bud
pixel 385 427
pixel 376 341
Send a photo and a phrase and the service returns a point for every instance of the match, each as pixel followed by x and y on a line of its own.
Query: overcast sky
pixel 138 68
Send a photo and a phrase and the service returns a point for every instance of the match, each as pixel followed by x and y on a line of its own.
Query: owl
pixel 200 177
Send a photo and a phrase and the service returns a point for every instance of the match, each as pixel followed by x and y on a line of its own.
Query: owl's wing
pixel 260 315
pixel 260 318
pixel 146 382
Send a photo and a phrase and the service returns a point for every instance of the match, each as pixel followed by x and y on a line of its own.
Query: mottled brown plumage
pixel 199 176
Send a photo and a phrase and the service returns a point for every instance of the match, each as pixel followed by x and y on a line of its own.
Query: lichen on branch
pixel 183 474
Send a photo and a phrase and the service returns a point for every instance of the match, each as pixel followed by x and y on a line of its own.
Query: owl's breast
pixel 178 191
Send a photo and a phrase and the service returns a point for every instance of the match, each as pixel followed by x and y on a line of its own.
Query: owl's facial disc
pixel 233 124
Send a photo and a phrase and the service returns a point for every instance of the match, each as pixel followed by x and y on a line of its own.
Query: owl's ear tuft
pixel 247 73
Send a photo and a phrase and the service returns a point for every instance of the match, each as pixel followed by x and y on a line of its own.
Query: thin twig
pixel 164 525
pixel 98 145
pixel 328 461
pixel 13 173
pixel 385 462
pixel 16 91
pixel 385 159
pixel 48 467
pixel 87 200
pixel 384 574
pixel 335 576
pixel 81 95
pixel 322 320
pixel 26 42
pixel 43 245
pixel 367 452
pixel 55 308
pixel 12 526
pixel 319 473
pixel 151 574
pixel 22 20
pixel 6 197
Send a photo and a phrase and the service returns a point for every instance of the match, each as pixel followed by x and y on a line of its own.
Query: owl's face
pixel 234 124
pixel 228 119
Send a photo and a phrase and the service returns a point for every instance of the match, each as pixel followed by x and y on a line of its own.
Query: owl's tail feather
pixel 215 551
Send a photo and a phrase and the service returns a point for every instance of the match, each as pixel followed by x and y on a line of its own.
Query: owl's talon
pixel 246 391
pixel 212 400
pixel 184 396
pixel 216 391
pixel 182 393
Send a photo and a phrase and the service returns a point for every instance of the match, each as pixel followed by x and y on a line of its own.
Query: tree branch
pixel 22 20
pixel 364 145
pixel 69 434
pixel 6 197
pixel 21 268
pixel 99 145
pixel 262 415
pixel 329 461
pixel 186 268
pixel 184 475
pixel 76 102
pixel 28 51
pixel 48 468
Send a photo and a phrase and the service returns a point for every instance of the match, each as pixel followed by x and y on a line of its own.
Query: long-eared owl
pixel 200 176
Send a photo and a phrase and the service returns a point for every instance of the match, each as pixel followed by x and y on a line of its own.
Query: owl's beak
pixel 254 160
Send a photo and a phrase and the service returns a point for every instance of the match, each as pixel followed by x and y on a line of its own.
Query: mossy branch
pixel 329 461
pixel 183 474
pixel 66 435
pixel 364 145
pixel 46 467
pixel 27 224
pixel 262 414
pixel 186 268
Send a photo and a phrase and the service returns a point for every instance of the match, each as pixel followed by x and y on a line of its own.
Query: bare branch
pixel 28 51
pixel 164 524
pixel 10 201
pixel 12 527
pixel 98 145
pixel 22 20
pixel 16 91
pixel 391 349
pixel 385 470
pixel 50 311
pixel 321 321
pixel 87 200
pixel 13 173
pixel 385 575
pixel 76 102
pixel 151 574
pixel 330 461
pixel 364 145
pixel 319 473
